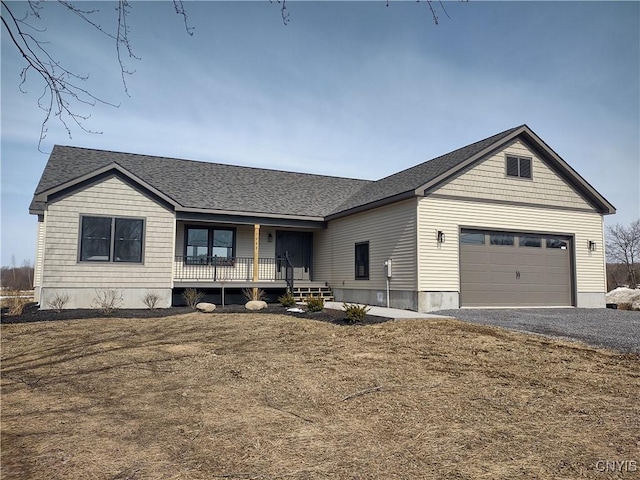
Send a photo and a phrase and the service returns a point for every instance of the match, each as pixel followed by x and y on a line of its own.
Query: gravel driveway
pixel 602 327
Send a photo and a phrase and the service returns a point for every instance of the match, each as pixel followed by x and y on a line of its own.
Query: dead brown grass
pixel 15 301
pixel 268 396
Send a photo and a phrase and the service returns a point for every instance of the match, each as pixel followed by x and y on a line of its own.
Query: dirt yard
pixel 265 396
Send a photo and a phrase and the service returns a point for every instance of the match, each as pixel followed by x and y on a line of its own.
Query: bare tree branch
pixel 179 7
pixel 62 89
pixel 283 10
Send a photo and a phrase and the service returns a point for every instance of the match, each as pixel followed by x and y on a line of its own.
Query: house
pixel 501 222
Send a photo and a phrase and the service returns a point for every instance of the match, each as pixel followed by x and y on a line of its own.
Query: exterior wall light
pixel 440 236
pixel 270 238
pixel 592 246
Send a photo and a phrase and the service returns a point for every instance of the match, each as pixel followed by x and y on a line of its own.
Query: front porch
pixel 211 255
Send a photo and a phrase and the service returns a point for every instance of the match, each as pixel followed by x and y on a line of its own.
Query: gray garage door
pixel 514 269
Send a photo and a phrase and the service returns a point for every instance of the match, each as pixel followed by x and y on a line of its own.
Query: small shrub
pixel 315 304
pixel 151 300
pixel 108 300
pixel 254 294
pixel 192 297
pixel 287 300
pixel 16 302
pixel 59 302
pixel 355 313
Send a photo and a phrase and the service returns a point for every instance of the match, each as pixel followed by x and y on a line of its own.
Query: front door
pixel 299 247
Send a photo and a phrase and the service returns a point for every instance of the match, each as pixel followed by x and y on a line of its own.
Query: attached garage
pixel 506 269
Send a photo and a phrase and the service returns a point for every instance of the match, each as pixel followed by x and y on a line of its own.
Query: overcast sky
pixel 353 89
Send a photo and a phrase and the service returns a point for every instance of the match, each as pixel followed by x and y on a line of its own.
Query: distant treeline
pixel 17 278
pixel 618 275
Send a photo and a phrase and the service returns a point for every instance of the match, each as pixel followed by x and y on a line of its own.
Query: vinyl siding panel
pixel 110 197
pixel 440 263
pixel 488 180
pixel 391 233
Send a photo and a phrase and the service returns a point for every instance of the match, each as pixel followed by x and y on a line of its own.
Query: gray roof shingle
pixel 220 187
pixel 412 178
pixel 209 186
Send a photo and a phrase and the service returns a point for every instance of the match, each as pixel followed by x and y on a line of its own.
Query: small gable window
pixel 518 167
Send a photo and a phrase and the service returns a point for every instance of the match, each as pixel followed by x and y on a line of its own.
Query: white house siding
pixel 63 274
pixel 391 233
pixel 37 270
pixel 488 180
pixel 439 271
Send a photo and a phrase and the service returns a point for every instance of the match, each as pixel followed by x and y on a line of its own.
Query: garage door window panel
pixel 472 238
pixel 556 243
pixel 501 239
pixel 526 241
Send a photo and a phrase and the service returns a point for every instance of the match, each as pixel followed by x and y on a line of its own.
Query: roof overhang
pixel 248 218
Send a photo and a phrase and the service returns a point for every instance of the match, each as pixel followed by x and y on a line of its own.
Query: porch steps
pixel 300 292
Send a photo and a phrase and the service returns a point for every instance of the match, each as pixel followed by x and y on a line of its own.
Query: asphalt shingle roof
pixel 210 186
pixel 214 186
pixel 410 179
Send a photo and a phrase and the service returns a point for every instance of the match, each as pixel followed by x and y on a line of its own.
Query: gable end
pixel 41 199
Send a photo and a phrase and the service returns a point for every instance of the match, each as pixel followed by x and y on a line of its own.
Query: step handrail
pixel 288 273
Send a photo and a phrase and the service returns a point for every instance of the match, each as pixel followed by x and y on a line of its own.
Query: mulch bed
pixel 33 314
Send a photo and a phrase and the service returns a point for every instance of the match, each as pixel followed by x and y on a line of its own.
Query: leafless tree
pixel 63 91
pixel 64 94
pixel 623 247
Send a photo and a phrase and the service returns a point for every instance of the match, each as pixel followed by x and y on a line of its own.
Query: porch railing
pixel 221 269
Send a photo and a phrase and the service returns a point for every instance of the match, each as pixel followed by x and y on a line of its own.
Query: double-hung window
pixel 518 167
pixel 362 261
pixel 205 245
pixel 111 239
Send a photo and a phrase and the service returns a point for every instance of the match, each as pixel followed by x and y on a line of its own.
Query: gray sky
pixel 353 89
